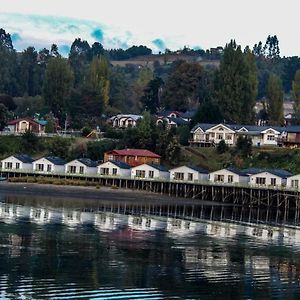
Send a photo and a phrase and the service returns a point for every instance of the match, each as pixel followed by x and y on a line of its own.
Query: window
pixel 219 178
pixel 8 165
pixel 151 174
pixel 104 171
pixel 260 180
pixel 114 171
pixel 178 176
pixel 295 183
pixel 140 173
pixel 81 170
pixel 190 176
pixel 39 167
pixel 228 137
pixel 17 166
pixel 110 157
pixel 220 136
pixel 273 181
pixel 49 168
pixel 72 169
pixel 270 137
pixel 230 178
pixel 212 134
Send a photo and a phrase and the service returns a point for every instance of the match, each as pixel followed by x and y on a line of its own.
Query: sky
pixel 158 24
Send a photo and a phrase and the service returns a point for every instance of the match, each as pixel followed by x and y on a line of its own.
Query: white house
pixel 124 121
pixel 188 173
pixel 82 166
pixel 228 175
pixel 293 182
pixel 269 178
pixel 150 171
pixel 221 132
pixel 49 164
pixel 20 162
pixel 114 168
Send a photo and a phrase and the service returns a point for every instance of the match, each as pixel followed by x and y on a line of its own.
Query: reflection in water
pixel 145 251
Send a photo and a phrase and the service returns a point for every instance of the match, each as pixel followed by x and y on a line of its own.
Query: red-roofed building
pixel 133 157
pixel 27 124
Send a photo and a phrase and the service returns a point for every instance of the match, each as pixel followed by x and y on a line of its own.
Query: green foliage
pixel 173 152
pixel 85 131
pixel 8 101
pixel 236 85
pixel 275 100
pixel 222 147
pixel 95 150
pixel 152 95
pixel 180 92
pixel 30 142
pixel 51 125
pixel 184 134
pixel 3 116
pixel 296 96
pixel 58 83
pixel 244 146
pixel 58 146
pixel 208 112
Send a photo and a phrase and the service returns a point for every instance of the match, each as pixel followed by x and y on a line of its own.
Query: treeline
pixel 85 87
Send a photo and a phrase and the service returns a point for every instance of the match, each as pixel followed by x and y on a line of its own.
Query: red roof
pixel 135 152
pixel 13 122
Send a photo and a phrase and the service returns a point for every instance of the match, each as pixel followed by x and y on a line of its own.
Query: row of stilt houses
pixel 150 169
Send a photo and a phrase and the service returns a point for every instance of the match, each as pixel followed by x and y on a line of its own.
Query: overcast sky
pixel 155 23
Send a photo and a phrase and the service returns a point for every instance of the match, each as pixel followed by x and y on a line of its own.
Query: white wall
pixel 290 179
pixel 221 132
pixel 54 168
pixel 157 174
pixel 14 161
pixel 111 166
pixel 197 176
pixel 78 164
pixel 236 177
pixel 272 134
pixel 279 181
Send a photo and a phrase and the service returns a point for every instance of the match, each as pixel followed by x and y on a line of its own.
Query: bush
pixel 222 147
pixel 85 131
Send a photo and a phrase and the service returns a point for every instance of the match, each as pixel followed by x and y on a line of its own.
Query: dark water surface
pixel 59 249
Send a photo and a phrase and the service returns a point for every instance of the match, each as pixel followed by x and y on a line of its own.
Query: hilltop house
pixel 188 173
pixel 132 157
pixel 49 164
pixel 124 121
pixel 27 124
pixel 20 162
pixel 82 166
pixel 114 168
pixel 150 171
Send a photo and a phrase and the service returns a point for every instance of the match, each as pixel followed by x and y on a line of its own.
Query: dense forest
pixel 86 86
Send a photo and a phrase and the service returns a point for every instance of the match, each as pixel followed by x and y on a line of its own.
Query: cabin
pixel 49 164
pixel 124 121
pixel 291 137
pixel 293 182
pixel 21 125
pixel 269 177
pixel 150 171
pixel 132 157
pixel 188 173
pixel 114 168
pixel 228 175
pixel 81 166
pixel 20 162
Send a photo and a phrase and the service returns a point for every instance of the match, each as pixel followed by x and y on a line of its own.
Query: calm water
pixel 51 249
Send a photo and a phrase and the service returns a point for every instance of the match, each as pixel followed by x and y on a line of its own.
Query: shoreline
pixel 92 193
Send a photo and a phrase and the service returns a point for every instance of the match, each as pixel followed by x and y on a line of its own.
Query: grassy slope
pixel 281 158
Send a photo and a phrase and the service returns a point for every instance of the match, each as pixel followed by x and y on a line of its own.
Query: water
pixel 62 249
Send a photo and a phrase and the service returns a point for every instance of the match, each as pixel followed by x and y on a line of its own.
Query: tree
pixel 236 84
pixel 275 100
pixel 58 146
pixel 180 91
pixel 8 101
pixel 208 112
pixel 244 146
pixel 30 141
pixel 152 95
pixel 3 116
pixel 296 95
pixel 222 147
pixel 58 83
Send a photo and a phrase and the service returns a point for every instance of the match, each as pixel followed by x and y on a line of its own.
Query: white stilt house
pixel 49 164
pixel 81 166
pixel 114 168
pixel 150 171
pixel 20 162
pixel 188 173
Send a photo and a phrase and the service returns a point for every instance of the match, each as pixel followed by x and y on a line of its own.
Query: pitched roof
pixel 178 121
pixel 135 152
pixel 295 129
pixel 24 158
pixel 120 164
pixel 198 169
pixel 132 116
pixel 236 171
pixel 15 121
pixel 277 172
pixel 203 126
pixel 158 167
pixel 56 160
pixel 88 162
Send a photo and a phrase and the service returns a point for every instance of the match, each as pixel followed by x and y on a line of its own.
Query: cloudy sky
pixel 155 23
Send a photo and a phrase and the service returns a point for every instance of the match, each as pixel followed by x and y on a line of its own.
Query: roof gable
pixel 135 152
pixel 223 126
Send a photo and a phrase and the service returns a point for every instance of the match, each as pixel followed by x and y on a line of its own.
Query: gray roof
pixel 188 114
pixel 120 164
pixel 178 121
pixel 203 126
pixel 236 171
pixel 24 158
pixel 56 160
pixel 295 129
pixel 198 169
pixel 278 172
pixel 158 167
pixel 88 162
